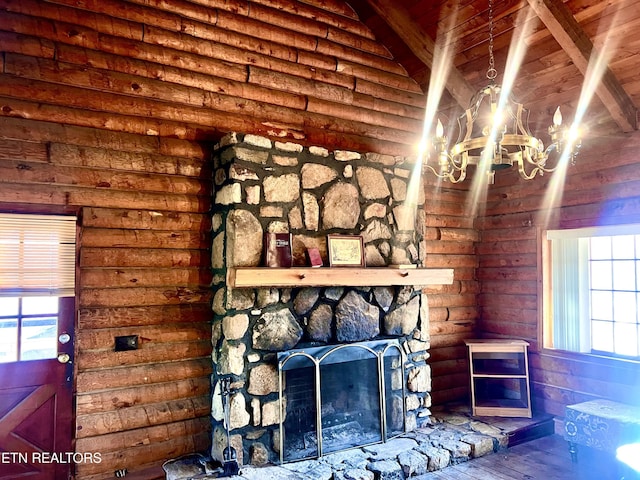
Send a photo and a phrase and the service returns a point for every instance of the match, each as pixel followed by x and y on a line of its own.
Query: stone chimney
pixel 262 187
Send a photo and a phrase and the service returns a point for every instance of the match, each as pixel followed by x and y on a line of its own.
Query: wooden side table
pixel 499 372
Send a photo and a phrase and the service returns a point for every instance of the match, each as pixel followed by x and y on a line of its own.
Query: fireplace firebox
pixel 338 397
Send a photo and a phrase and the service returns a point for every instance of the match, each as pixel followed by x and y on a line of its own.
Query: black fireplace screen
pixel 333 398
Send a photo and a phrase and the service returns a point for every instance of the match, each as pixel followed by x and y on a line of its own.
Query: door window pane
pixel 39 338
pixel 40 305
pixel 8 306
pixel 8 340
pixel 32 333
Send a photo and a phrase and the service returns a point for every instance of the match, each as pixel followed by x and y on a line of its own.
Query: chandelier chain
pixel 491 72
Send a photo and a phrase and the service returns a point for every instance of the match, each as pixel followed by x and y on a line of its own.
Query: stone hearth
pixel 452 437
pixel 263 186
pixel 426 449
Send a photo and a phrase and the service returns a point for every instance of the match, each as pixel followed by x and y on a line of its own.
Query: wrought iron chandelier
pixel 494 134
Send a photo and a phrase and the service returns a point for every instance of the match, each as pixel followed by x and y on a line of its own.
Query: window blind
pixel 570 281
pixel 37 255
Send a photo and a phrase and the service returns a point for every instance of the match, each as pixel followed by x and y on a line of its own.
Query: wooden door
pixel 36 397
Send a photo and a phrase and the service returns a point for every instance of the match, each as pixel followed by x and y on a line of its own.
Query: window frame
pixel 545 287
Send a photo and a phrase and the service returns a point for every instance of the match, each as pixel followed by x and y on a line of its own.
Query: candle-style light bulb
pixel 557 117
pixel 439 129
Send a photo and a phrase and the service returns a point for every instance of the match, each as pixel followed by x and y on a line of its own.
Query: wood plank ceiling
pixel 560 39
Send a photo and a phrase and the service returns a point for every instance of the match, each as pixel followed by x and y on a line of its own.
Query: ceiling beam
pixel 560 21
pixel 422 46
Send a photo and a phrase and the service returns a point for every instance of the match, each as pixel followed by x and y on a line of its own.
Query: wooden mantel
pixel 247 277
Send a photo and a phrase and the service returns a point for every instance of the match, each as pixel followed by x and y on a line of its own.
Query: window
pixel 37 269
pixel 29 328
pixel 592 294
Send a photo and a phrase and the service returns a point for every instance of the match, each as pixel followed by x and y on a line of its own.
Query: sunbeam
pixel 598 64
pixel 442 58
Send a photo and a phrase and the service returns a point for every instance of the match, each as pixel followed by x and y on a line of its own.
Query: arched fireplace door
pixel 338 397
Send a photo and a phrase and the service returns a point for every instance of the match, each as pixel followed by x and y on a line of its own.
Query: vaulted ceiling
pixel 562 43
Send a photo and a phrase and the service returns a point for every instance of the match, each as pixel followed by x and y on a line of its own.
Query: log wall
pixel 451 239
pixel 143 269
pixel 109 108
pixel 196 69
pixel 601 189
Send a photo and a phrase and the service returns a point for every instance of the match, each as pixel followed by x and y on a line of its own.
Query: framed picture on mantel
pixel 345 250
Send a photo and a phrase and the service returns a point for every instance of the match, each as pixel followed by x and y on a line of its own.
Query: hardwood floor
pixel 546 458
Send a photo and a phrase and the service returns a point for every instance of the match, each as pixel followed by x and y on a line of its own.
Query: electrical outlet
pixel 127 342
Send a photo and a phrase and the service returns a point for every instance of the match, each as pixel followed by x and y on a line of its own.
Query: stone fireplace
pixel 313 354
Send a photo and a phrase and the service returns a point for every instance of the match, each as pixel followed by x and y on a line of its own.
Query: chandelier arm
pixel 522 125
pixel 449 174
pixel 461 176
pixel 433 170
pixel 457 162
pixel 541 163
pixel 530 175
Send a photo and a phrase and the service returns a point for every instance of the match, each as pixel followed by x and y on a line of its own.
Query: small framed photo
pixel 345 250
